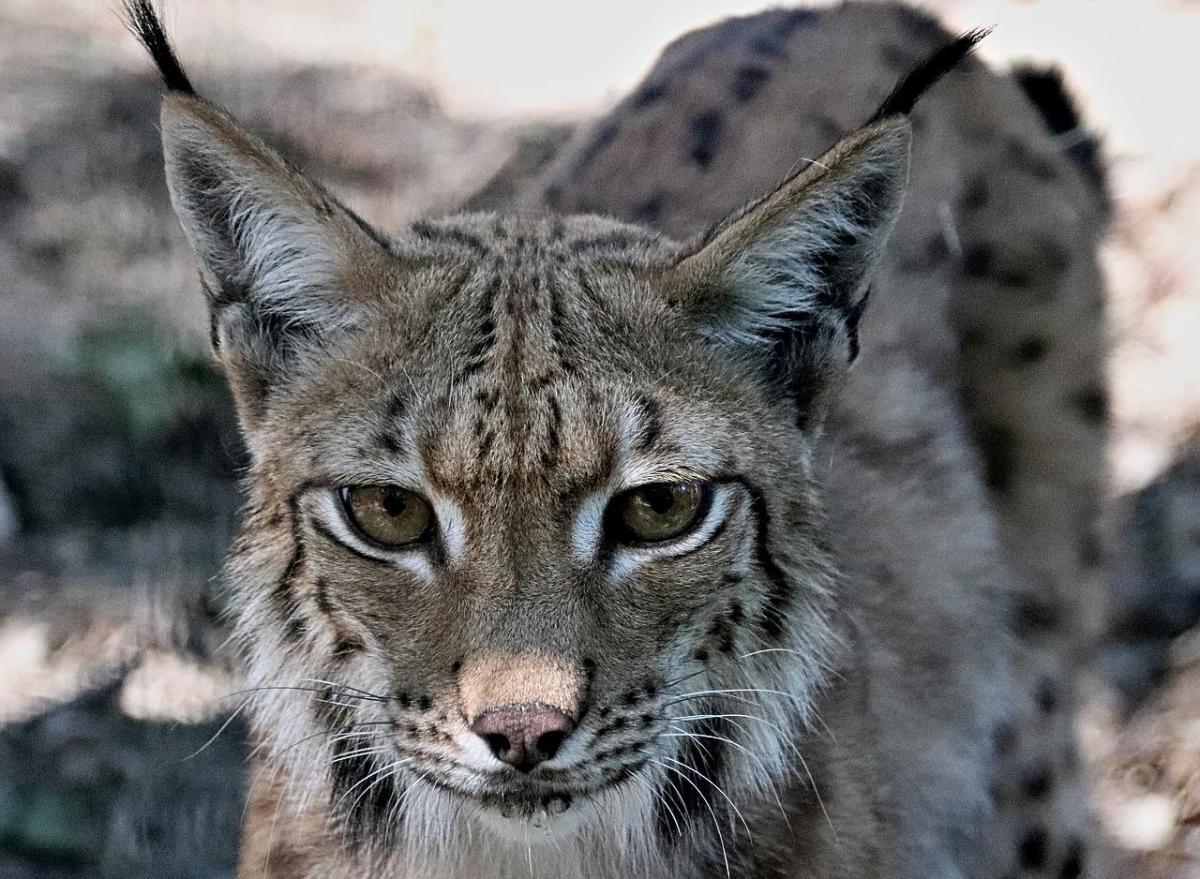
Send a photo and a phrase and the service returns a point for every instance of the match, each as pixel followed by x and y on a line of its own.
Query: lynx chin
pixel 727 508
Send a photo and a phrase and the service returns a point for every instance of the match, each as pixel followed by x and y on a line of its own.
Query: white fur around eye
pixel 452 525
pixel 588 528
pixel 627 559
pixel 329 511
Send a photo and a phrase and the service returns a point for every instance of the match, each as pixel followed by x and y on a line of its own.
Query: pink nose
pixel 524 735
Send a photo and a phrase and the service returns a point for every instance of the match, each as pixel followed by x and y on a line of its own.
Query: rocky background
pixel 119 456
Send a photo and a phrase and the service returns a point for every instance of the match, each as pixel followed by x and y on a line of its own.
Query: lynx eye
pixel 387 514
pixel 658 511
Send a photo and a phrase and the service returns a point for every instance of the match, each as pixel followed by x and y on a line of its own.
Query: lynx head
pixel 533 540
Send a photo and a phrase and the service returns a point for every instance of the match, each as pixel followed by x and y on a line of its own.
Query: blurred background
pixel 118 451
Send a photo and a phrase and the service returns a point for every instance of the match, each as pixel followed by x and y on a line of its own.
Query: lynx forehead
pixel 577 550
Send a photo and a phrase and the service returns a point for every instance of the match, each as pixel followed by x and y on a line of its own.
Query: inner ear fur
pixel 786 278
pixel 284 264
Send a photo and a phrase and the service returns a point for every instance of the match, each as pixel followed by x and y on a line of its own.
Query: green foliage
pixel 151 377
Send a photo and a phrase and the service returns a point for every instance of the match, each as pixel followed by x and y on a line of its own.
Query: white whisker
pixel 711 812
pixel 718 789
pixel 686 734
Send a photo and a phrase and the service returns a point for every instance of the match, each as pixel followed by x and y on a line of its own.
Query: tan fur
pixel 861 663
pixel 499 679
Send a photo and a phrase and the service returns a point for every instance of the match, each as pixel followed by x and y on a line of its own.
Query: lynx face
pixel 542 522
pixel 533 538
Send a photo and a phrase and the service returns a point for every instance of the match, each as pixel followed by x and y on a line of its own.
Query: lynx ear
pixel 279 257
pixel 784 281
pixel 283 263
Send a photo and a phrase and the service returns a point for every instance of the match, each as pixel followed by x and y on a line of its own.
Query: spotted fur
pixel 851 666
pixel 991 282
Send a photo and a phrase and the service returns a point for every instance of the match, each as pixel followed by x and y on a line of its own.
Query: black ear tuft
pixel 143 22
pixel 926 74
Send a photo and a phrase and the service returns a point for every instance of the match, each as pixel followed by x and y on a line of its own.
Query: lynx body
pixel 576 548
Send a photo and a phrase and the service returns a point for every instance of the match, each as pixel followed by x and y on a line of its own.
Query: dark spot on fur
pixel 437 233
pixel 1031 851
pixel 793 20
pixel 455 667
pixel 604 136
pixel 769 46
pixel 294 625
pixel 553 446
pixel 403 699
pixel 975 196
pixel 1072 865
pixel 1004 738
pixel 1047 696
pixel 485 443
pixel 727 643
pixel 389 442
pixel 779 596
pixel 1091 404
pixel 1029 350
pixel 997 444
pixel 346 644
pixel 1038 783
pixel 978 260
pixel 619 723
pixel 701 655
pixel 649 94
pixel 650 428
pixel 937 250
pixel 748 82
pixel 650 210
pixel 1037 268
pixel 321 590
pixel 1034 614
pixel 284 593
pixel 705 131
pixel 735 613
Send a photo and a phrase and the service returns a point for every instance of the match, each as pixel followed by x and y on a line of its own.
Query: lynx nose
pixel 524 735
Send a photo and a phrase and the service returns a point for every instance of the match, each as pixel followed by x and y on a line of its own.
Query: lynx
pixel 617 536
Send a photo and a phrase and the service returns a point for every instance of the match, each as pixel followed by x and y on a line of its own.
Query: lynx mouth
pixel 541 806
pixel 533 809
